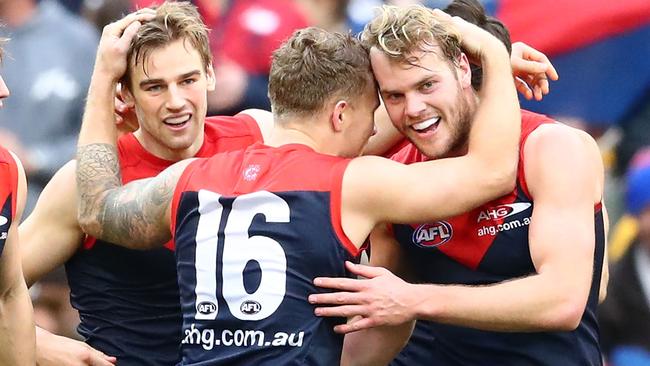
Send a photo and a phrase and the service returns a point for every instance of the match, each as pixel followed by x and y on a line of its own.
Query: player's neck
pixel 284 135
pixel 165 152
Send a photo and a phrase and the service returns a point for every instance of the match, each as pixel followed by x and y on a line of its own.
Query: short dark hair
pixel 473 12
pixel 312 67
pixel 173 21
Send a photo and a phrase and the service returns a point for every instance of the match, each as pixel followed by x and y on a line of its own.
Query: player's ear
pixel 209 75
pixel 464 70
pixel 336 118
pixel 124 94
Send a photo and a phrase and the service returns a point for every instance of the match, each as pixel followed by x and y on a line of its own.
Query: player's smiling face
pixel 428 100
pixel 170 95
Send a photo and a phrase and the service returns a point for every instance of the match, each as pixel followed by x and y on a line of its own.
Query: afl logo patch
pixel 432 235
pixel 206 308
pixel 250 307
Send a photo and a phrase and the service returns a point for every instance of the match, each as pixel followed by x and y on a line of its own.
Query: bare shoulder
pixel 264 120
pixel 563 150
pixel 560 138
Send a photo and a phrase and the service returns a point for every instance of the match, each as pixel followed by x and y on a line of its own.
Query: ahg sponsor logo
pixel 503 211
pixel 432 235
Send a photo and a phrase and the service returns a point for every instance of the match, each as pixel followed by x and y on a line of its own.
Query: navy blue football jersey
pixel 484 246
pixel 252 230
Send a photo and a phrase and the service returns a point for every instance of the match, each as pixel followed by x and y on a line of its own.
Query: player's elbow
pixel 566 316
pixel 89 223
pixel 502 181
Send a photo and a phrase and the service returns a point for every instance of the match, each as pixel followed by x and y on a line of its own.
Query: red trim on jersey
pixel 598 206
pixel 89 242
pixel 252 124
pixel 529 122
pixel 336 205
pixel 176 198
pixel 307 169
pixel 10 184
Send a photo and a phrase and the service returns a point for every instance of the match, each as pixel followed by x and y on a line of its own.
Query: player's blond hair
pixel 173 21
pixel 314 66
pixel 3 40
pixel 400 31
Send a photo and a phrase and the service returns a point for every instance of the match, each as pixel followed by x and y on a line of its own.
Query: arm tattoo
pixel 133 215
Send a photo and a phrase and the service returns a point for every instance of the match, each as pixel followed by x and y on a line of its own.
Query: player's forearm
pixel 494 138
pixel 134 215
pixel 375 346
pixel 534 303
pixel 98 123
pixel 98 167
pixel 17 339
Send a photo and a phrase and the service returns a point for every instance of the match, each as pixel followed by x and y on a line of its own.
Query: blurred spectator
pixel 244 37
pixel 635 133
pixel 73 6
pixel 48 66
pixel 327 14
pixel 624 317
pixel 102 12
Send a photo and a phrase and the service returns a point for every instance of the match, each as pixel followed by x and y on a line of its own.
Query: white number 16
pixel 238 250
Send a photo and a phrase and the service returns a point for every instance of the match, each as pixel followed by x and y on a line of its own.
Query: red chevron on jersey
pixel 467 238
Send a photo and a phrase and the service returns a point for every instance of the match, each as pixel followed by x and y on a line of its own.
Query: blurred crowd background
pixel 601 49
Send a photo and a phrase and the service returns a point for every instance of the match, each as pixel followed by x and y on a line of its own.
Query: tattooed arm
pixel 136 215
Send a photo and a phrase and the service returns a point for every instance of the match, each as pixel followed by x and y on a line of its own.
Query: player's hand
pixel 380 299
pixel 532 70
pixel 115 41
pixel 54 350
pixel 476 42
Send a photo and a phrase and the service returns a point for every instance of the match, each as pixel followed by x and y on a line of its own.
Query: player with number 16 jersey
pixel 248 245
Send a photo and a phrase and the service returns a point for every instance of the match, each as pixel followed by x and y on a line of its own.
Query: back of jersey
pixel 252 230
